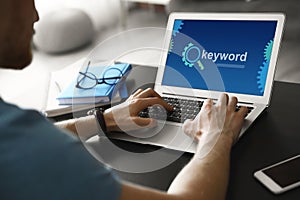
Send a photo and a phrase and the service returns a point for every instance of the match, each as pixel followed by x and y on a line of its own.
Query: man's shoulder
pixel 13 117
pixel 20 126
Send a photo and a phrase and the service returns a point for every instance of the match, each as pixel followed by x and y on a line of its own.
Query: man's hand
pixel 124 117
pixel 214 120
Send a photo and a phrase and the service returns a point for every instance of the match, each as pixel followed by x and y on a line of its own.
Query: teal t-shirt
pixel 40 161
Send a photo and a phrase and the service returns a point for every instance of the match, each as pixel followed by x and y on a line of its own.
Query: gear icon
pixel 177 26
pixel 262 76
pixel 268 51
pixel 185 56
pixel 171 45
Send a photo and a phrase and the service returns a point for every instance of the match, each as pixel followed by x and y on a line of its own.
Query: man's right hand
pixel 217 119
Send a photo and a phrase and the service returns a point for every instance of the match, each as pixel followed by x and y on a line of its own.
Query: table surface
pixel 274 136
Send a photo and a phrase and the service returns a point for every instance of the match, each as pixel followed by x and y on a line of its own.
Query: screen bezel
pixel 279 17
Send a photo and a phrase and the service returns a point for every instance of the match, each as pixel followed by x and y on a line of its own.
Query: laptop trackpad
pixel 166 135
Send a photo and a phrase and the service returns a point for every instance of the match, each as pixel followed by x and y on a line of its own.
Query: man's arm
pixel 123 117
pixel 203 177
pixel 83 127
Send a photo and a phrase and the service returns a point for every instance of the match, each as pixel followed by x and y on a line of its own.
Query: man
pixel 40 161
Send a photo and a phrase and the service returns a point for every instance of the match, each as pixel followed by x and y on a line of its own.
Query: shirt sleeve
pixel 39 161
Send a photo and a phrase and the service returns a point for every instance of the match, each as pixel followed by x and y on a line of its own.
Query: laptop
pixel 205 55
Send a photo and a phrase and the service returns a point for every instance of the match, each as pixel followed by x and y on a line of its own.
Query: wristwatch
pixel 98 113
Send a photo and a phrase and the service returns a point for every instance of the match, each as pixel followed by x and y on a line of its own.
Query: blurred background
pixel 69 30
pixel 110 17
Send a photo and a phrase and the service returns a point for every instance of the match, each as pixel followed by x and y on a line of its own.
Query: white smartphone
pixel 281 176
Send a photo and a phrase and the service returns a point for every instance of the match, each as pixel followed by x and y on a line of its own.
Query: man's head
pixel 16 29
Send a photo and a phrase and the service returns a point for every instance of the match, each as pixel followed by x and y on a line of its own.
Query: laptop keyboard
pixel 182 109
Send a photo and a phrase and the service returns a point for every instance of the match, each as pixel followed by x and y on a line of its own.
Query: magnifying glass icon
pixel 191 55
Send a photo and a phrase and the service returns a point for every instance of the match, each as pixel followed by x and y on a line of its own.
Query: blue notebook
pixel 101 93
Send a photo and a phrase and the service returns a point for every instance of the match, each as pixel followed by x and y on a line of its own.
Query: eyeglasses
pixel 88 80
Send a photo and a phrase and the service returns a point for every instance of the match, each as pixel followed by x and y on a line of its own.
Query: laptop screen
pixel 238 51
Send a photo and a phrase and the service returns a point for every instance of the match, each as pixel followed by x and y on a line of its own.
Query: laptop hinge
pixel 186 96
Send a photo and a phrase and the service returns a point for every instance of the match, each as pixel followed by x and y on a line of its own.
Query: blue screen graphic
pixel 237 53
